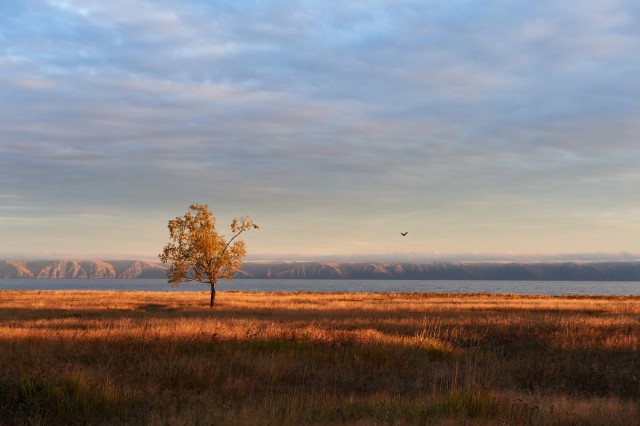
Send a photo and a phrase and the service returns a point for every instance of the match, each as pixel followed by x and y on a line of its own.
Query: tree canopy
pixel 197 252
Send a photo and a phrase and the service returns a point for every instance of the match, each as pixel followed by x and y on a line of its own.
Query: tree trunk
pixel 213 294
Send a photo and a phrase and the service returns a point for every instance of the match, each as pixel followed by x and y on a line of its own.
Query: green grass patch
pixel 33 399
pixel 469 403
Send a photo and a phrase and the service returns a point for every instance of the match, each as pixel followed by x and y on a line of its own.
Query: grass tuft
pixel 468 403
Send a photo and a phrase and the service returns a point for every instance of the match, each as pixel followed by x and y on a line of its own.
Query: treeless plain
pixel 97 357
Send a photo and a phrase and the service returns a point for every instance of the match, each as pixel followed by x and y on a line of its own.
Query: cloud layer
pixel 477 126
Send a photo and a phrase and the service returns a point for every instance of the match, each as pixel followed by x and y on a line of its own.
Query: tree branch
pixel 234 237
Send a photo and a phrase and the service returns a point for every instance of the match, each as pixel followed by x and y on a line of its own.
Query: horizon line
pixel 372 258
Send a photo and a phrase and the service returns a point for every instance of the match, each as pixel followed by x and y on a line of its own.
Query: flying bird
pixel 404 233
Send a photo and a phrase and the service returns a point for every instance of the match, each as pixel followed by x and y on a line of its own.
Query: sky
pixel 485 129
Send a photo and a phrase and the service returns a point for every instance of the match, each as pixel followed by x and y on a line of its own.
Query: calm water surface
pixel 364 286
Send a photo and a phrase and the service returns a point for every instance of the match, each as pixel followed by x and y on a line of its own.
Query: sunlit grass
pixel 317 358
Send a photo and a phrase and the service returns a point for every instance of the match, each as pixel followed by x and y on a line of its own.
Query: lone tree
pixel 197 252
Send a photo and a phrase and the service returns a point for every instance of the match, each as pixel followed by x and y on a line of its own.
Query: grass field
pixel 83 357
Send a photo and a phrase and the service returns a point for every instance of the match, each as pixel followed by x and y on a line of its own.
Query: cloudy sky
pixel 483 128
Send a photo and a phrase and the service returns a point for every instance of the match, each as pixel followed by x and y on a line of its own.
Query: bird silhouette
pixel 404 233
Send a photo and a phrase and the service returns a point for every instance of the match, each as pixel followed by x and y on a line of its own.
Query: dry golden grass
pixel 84 357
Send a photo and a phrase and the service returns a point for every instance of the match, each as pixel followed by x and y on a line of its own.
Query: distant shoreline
pixel 461 271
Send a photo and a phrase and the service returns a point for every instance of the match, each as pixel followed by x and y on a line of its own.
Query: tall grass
pixel 83 357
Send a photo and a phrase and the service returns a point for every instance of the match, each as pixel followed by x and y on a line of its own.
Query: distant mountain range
pixel 547 271
pixel 544 271
pixel 123 269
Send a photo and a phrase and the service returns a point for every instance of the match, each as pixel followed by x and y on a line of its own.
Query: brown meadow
pixel 86 357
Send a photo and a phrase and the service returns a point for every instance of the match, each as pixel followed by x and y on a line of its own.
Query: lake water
pixel 364 286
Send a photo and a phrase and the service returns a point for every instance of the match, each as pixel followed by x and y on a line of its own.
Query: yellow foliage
pixel 196 252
